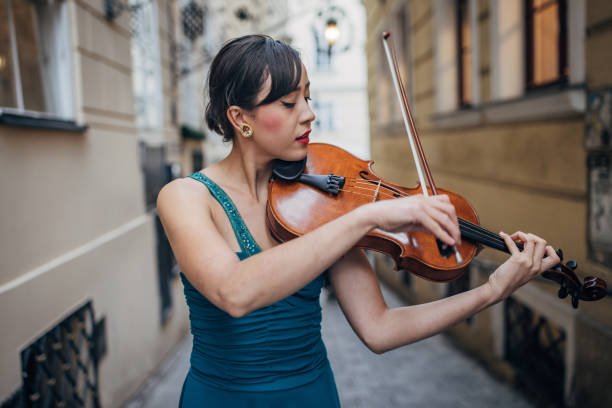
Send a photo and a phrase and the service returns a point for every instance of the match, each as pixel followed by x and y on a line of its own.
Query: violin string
pixel 478 233
pixel 483 235
pixel 370 183
pixel 483 231
pixel 354 192
pixel 370 189
pixel 367 181
pixel 478 236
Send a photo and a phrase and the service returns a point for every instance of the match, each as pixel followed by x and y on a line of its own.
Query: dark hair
pixel 239 71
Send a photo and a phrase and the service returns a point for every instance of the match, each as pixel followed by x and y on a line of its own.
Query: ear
pixel 237 117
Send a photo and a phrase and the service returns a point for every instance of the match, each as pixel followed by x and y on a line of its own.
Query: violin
pixel 330 182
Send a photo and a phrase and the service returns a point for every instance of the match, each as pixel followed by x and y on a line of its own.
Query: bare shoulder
pixel 183 196
pixel 181 188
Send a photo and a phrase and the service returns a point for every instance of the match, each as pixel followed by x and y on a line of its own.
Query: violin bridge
pixel 377 191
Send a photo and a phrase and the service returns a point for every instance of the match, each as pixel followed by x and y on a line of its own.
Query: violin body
pixel 294 209
pixel 301 198
pixel 297 206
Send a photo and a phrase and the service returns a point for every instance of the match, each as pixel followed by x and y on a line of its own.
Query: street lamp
pixel 332 33
pixel 337 30
pixel 331 26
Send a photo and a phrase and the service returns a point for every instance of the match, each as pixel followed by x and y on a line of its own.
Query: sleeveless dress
pixel 271 357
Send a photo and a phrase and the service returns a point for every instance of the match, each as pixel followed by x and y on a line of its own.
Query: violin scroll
pixel 592 289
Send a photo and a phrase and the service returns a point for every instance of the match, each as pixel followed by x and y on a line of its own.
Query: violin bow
pixel 592 289
pixel 415 143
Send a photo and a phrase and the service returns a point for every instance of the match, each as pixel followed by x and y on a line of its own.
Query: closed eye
pixel 288 104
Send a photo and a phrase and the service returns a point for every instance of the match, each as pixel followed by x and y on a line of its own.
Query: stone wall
pixel 519 162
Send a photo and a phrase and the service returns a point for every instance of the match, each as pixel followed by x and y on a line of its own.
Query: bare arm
pixel 241 287
pixel 383 329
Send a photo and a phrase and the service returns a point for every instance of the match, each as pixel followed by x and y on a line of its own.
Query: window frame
pixel 563 43
pixel 19 115
pixel 463 7
pixel 513 103
pixel 388 115
pixel 147 67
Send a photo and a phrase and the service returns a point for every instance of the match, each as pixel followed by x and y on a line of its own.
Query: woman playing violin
pixel 254 303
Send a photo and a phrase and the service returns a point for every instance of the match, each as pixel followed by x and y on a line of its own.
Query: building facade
pixel 89 296
pixel 512 103
pixel 101 104
pixel 337 73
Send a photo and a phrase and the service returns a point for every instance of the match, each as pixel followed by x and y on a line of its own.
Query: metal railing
pixel 60 368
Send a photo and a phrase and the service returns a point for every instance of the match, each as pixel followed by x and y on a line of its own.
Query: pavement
pixel 432 373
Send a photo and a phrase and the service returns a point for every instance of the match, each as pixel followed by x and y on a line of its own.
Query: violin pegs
pixel 575 301
pixel 560 254
pixel 575 298
pixel 563 290
pixel 572 265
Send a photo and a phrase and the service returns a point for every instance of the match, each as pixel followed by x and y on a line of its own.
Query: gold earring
pixel 247 131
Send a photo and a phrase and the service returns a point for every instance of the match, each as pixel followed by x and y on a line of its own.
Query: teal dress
pixel 271 357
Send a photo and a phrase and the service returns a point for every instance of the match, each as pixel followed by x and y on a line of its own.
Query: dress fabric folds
pixel 271 357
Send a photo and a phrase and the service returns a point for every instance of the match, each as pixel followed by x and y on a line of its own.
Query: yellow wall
pixel 74 224
pixel 527 175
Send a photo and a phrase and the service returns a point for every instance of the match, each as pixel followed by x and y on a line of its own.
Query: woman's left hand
pixel 522 266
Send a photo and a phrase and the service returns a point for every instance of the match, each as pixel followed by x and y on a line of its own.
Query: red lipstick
pixel 304 138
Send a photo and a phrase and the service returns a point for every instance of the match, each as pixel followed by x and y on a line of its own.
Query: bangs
pixel 239 72
pixel 284 67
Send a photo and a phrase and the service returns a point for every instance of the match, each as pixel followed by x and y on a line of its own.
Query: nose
pixel 308 115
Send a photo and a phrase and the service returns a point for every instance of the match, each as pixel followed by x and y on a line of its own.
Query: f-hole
pixel 396 193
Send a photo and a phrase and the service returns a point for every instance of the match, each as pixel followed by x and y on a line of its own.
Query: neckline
pixel 245 239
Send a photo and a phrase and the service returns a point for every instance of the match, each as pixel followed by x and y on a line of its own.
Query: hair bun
pixel 238 73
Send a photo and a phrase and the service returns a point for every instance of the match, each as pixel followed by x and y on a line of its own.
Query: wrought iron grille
pixel 158 173
pixel 461 284
pixel 192 18
pixel 535 348
pixel 60 368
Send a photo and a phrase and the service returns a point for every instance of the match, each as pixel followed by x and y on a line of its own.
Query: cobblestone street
pixel 431 373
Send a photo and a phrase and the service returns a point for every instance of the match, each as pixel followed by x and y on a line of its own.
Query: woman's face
pixel 281 128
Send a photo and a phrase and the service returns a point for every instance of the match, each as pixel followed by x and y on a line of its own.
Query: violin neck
pixel 477 234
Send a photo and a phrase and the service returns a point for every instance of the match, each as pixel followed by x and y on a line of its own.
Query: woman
pixel 253 302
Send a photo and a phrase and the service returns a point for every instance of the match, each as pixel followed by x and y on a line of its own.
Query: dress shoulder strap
pixel 246 241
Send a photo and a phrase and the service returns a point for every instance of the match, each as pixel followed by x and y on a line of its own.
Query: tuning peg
pixel 572 265
pixel 560 254
pixel 575 298
pixel 563 290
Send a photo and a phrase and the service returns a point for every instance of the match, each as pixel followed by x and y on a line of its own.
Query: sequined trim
pixel 243 235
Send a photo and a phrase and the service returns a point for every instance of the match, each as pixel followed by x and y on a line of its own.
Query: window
pixel 546 42
pixel 324 60
pixel 323 54
pixel 388 107
pixel 464 54
pixel 35 67
pixel 401 26
pixel 324 116
pixel 146 62
pixel 383 91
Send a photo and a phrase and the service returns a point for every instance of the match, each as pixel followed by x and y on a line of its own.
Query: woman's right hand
pixel 433 214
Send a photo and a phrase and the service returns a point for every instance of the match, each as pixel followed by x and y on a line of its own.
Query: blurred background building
pixel 512 100
pixel 87 125
pixel 101 104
